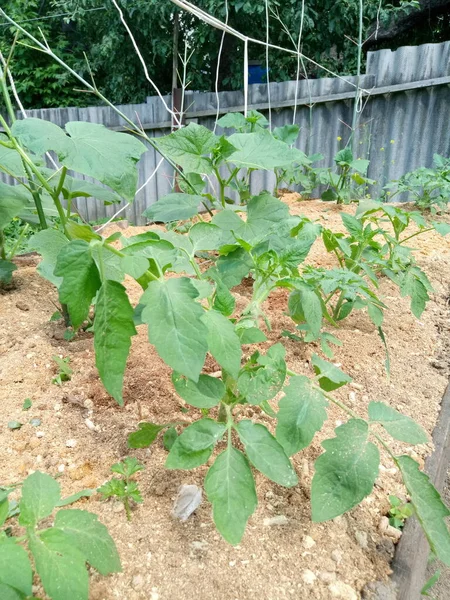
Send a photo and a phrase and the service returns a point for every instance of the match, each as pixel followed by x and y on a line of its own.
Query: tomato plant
pixel 188 306
pixel 61 552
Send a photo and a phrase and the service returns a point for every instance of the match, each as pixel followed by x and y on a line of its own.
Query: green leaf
pixel 4 513
pixel 196 183
pixel 81 232
pixel 442 228
pixel 413 286
pixel 399 426
pixel 302 413
pixel 10 160
pixel 175 324
pixel 344 157
pixel 230 488
pixel 353 225
pixel 330 377
pixel 203 287
pixel 113 487
pixel 287 134
pixel 48 243
pixel 40 494
pixel 13 199
pixel 206 393
pixel 7 268
pixel 128 467
pixel 205 236
pixel 169 438
pixel 60 566
pixel 305 305
pixel 9 593
pixel 429 508
pixel 264 213
pixel 233 267
pixel 81 279
pixel 113 329
pixel 195 445
pixel 233 120
pixel 110 263
pixel 135 265
pixel 174 207
pixel 75 497
pixel 161 251
pixel 80 188
pixel 189 148
pixel 15 571
pixel 85 532
pixel 263 382
pixel 345 473
pixel 145 436
pixel 223 342
pixel 261 150
pixel 265 453
pixel 26 404
pixel 39 136
pixel 14 424
pixel 91 149
pixel 430 583
pixel 224 301
pixel 251 335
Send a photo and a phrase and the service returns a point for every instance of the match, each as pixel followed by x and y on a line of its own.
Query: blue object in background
pixel 256 72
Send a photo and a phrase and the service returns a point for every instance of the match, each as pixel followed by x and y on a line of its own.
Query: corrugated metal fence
pixel 403 119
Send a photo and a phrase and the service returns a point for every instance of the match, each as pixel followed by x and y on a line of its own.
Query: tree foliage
pixel 75 28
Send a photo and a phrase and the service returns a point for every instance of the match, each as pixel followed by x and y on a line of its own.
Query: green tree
pixel 75 28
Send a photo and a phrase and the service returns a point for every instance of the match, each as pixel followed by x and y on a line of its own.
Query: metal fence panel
pixel 398 129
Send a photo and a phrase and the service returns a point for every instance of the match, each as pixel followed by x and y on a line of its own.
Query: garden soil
pixel 82 432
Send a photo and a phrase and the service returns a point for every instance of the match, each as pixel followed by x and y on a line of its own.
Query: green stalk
pixel 222 418
pixel 6 96
pixel 2 245
pixel 414 234
pixel 221 186
pixel 19 239
pixel 12 116
pixel 127 508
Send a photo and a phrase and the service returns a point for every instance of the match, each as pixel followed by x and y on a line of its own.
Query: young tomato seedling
pixel 64 371
pixel 123 489
pixel 399 512
pixel 61 552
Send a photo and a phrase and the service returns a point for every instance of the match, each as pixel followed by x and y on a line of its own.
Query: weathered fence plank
pixel 404 121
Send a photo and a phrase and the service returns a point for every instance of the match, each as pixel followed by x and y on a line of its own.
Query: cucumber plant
pixel 59 552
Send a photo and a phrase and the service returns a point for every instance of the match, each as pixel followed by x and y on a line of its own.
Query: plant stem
pixel 6 96
pixel 222 418
pixel 414 234
pixel 2 245
pixel 338 306
pixel 126 503
pixel 221 186
pixel 19 239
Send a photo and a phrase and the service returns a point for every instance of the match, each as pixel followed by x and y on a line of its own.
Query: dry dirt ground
pixel 163 558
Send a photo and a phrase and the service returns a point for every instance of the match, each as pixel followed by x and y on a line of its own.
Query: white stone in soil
pixel 308 542
pixel 362 539
pixel 71 443
pixel 342 590
pixel 308 577
pixel 279 520
pixel 336 556
pixel 188 499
